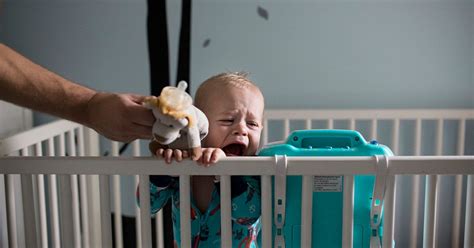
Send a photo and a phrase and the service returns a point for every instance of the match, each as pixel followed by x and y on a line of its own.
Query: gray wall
pixel 101 44
pixel 308 54
pixel 342 54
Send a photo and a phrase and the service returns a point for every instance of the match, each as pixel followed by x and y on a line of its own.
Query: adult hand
pixel 120 117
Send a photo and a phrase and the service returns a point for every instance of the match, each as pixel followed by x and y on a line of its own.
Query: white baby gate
pixel 79 214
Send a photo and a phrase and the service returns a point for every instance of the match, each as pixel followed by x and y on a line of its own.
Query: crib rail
pixel 354 117
pixel 264 166
pixel 297 166
pixel 89 225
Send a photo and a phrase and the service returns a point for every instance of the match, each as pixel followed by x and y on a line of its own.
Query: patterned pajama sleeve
pixel 161 190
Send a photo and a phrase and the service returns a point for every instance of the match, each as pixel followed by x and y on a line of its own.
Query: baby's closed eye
pixel 226 121
pixel 253 123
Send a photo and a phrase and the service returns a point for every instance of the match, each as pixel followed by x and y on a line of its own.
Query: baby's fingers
pixel 178 155
pixel 216 155
pixel 185 154
pixel 168 155
pixel 159 152
pixel 206 157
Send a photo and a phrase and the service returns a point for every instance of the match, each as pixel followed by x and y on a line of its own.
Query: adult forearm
pixel 27 84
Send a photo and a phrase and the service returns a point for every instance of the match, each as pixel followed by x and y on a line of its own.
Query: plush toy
pixel 179 124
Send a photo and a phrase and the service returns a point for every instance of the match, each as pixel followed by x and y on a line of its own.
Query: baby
pixel 234 107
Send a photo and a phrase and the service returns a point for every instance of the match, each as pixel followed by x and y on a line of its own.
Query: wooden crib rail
pixel 396 117
pixel 62 135
pixel 325 114
pixel 399 165
pixel 264 166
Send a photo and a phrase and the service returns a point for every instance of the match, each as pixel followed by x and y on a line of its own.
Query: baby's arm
pixel 161 189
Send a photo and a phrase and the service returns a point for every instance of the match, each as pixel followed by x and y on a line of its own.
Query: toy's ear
pixel 184 121
pixel 190 121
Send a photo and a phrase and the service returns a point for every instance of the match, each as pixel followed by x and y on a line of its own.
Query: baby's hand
pixel 210 156
pixel 196 153
pixel 169 154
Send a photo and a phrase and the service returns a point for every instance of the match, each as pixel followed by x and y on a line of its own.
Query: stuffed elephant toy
pixel 179 124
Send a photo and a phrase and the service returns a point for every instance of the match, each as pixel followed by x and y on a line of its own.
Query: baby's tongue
pixel 233 150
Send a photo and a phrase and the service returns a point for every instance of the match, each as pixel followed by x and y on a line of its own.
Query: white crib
pixel 54 186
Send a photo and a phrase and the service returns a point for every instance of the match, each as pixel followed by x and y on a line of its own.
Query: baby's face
pixel 235 120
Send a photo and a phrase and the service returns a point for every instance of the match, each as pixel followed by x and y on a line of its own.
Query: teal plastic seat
pixel 327 190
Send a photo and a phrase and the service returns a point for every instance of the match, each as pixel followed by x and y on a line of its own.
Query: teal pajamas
pixel 205 227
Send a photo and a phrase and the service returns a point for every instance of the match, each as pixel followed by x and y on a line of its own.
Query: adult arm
pixel 116 116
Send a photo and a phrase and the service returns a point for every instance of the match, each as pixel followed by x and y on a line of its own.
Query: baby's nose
pixel 241 129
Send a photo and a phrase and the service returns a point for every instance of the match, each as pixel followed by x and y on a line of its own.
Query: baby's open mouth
pixel 234 150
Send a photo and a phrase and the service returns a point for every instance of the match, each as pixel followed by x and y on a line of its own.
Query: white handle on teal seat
pixel 280 199
pixel 377 199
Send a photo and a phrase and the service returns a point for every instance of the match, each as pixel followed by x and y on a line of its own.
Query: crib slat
pixel 431 195
pixel 395 135
pixel 266 212
pixel 352 123
pixel 136 180
pixel 83 192
pixel 65 218
pixel 29 218
pixel 469 220
pixel 91 148
pixel 457 201
pixel 415 197
pixel 348 211
pixel 306 211
pixel 11 211
pixel 389 212
pixel 226 224
pixel 53 201
pixel 159 228
pixel 106 224
pixel 41 202
pixel 429 229
pixel 94 209
pixel 461 136
pixel 75 194
pixel 75 211
pixel 54 212
pixel 418 137
pixel 138 230
pixel 185 207
pixel 84 211
pixel 286 128
pixel 117 201
pixel 92 191
pixel 117 212
pixel 330 123
pixel 439 137
pixel 373 129
pixel 308 124
pixel 458 183
pixel 265 132
pixel 145 210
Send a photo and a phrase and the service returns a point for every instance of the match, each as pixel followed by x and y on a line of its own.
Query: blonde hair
pixel 235 79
